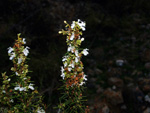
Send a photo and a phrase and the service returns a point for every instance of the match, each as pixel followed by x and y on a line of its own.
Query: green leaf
pixel 78 42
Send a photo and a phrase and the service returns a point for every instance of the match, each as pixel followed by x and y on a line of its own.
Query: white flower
pixel 9 79
pixel 82 39
pixel 11 100
pixel 64 58
pixel 77 53
pixel 72 65
pixel 24 41
pixel 4 91
pixel 83 28
pixel 19 60
pixel 72 36
pixel 76 59
pixel 82 83
pixel 85 51
pixel 20 88
pixel 73 25
pixel 10 49
pixel 62 69
pixel 71 48
pixel 65 64
pixel 31 86
pixel 62 75
pixel 12 56
pixel 85 78
pixel 81 24
pixel 16 73
pixel 40 110
pixel 62 72
pixel 24 78
pixel 69 68
pixel 26 51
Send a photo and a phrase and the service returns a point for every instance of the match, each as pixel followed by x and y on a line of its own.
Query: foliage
pixel 72 71
pixel 17 93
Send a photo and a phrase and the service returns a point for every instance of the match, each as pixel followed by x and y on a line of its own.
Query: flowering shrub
pixel 17 93
pixel 72 70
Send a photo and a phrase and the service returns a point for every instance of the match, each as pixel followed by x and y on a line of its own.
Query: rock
pixel 114 81
pixel 100 106
pixel 147 110
pixel 147 65
pixel 146 88
pixel 105 109
pixel 128 79
pixel 124 107
pixel 114 87
pixel 130 85
pixel 99 89
pixel 113 97
pixel 144 84
pixel 147 98
pixel 119 62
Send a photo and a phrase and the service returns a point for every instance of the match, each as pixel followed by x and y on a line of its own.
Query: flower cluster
pixel 24 88
pixel 18 55
pixel 72 69
pixel 22 95
pixel 80 23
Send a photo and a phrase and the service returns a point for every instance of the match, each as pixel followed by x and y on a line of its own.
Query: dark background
pixel 115 30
